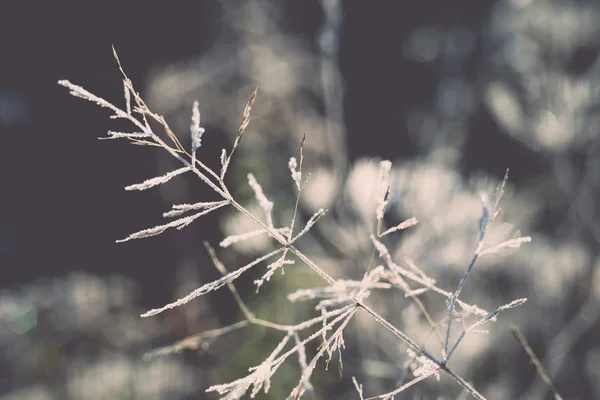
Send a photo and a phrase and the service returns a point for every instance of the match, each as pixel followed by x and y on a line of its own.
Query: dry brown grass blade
pixel 534 360
pixel 119 63
pixel 170 133
pixel 499 194
pixel 221 268
pixel 291 233
pixel 245 121
pixel 143 143
pixel 143 110
pixel 147 143
pixel 243 125
pixel 195 342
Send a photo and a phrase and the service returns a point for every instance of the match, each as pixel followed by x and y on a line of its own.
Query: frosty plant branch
pixel 488 212
pixel 338 301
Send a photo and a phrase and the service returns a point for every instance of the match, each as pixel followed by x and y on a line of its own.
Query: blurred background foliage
pixel 452 92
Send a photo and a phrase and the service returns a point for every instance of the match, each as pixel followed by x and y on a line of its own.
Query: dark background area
pixel 62 202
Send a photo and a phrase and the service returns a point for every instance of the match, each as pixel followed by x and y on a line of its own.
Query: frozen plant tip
pixel 196 131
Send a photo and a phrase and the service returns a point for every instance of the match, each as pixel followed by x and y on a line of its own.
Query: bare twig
pixel 534 360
